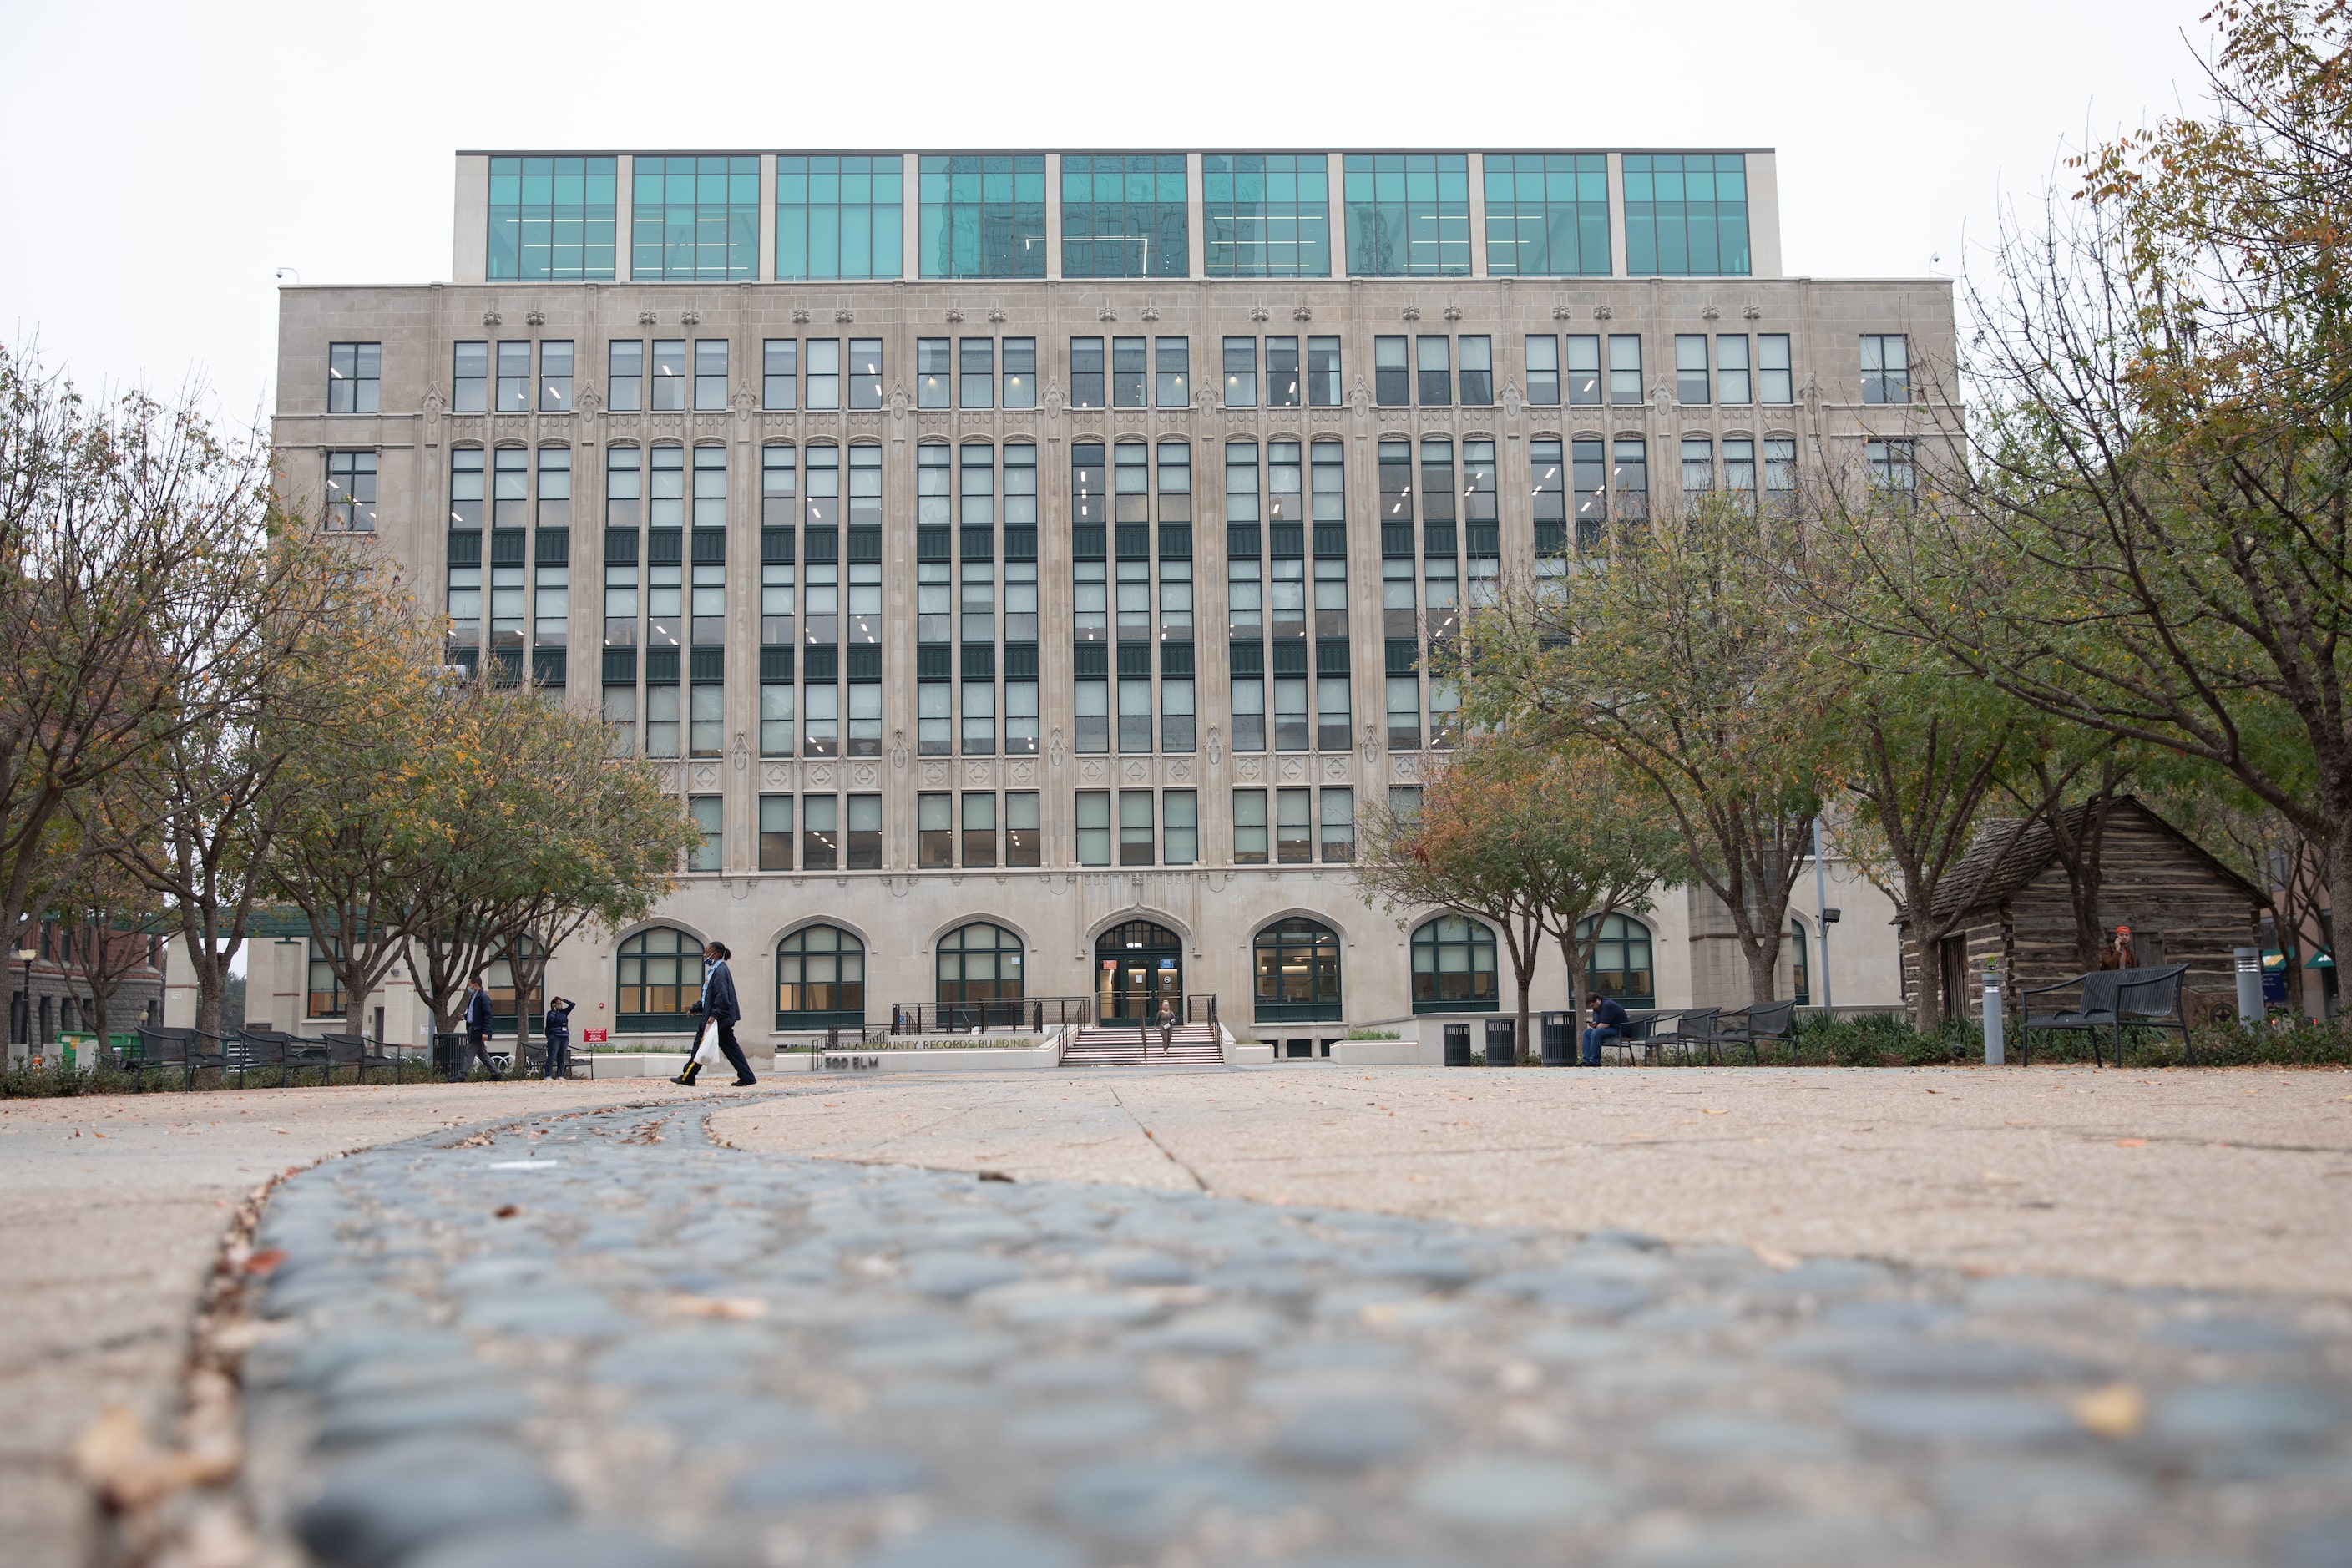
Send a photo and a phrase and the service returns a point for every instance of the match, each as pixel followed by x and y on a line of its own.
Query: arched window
pixel 1620 961
pixel 820 980
pixel 659 973
pixel 980 963
pixel 1453 967
pixel 1298 972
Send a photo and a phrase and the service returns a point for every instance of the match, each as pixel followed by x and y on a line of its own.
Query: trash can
pixel 1457 1044
pixel 1558 1041
pixel 1502 1042
pixel 448 1051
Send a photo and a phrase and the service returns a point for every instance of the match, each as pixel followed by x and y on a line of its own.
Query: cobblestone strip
pixel 602 1341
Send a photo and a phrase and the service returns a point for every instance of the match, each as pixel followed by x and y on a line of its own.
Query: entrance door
pixel 1137 965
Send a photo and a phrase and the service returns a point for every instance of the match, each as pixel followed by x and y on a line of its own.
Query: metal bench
pixel 2094 1009
pixel 356 1052
pixel 1765 1021
pixel 186 1049
pixel 2151 999
pixel 1694 1030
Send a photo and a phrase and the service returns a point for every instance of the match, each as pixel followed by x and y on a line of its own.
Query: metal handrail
pixel 1033 1014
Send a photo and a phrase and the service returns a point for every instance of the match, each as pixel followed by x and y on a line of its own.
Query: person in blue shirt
pixel 720 1008
pixel 477 1032
pixel 558 1037
pixel 1609 1023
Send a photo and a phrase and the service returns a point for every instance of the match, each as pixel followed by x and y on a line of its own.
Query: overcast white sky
pixel 164 159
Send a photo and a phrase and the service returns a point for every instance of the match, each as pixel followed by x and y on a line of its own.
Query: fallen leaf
pixel 1703 1111
pixel 731 1307
pixel 265 1261
pixel 2117 1410
pixel 506 1211
pixel 2020 1124
pixel 1998 1180
pixel 1774 1258
pixel 2131 1142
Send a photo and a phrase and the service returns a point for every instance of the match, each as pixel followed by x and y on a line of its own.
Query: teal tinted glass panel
pixel 838 217
pixel 694 218
pixel 1687 214
pixel 1547 215
pixel 1408 215
pixel 552 219
pixel 1267 214
pixel 982 216
pixel 1124 216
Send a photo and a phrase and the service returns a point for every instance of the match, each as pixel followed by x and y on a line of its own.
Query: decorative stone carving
pixel 1249 770
pixel 844 316
pixel 1054 749
pixel 801 317
pixel 1750 312
pixel 899 400
pixel 1452 312
pixel 1151 312
pixel 690 318
pixel 777 776
pixel 1024 772
pixel 1360 398
pixel 1561 313
pixel 862 774
pixel 1301 313
pixel 1136 769
pixel 955 316
pixel 742 753
pixel 1406 768
pixel 820 776
pixel 1180 768
pixel 1511 401
pixel 1411 313
pixel 1372 748
pixel 1216 747
pixel 1603 313
pixel 492 319
pixel 978 774
pixel 899 749
pixel 706 775
pixel 1054 398
pixel 1294 768
pixel 1260 313
pixel 1334 769
pixel 1105 314
pixel 1710 314
pixel 996 314
pixel 935 772
pixel 1093 771
pixel 536 318
pixel 646 318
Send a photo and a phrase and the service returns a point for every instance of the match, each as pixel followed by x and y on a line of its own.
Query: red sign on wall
pixel 593 1036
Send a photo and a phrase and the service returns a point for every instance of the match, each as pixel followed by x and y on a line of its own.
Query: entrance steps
pixel 1192 1045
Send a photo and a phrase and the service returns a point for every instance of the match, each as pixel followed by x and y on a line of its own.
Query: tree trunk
pixel 1928 974
pixel 2339 897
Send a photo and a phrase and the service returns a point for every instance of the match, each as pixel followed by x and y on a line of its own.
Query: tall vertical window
pixel 509 487
pixel 694 218
pixel 709 487
pixel 1130 371
pixel 976 373
pixel 1323 373
pixel 1172 361
pixel 865 373
pixel 710 375
pixel 1023 839
pixel 1698 469
pixel 1241 372
pixel 1337 839
pixel 824 369
pixel 514 378
pixel 624 488
pixel 838 217
pixel 552 219
pixel 933 368
pixel 934 831
pixel 780 373
pixel 1433 358
pixel 1777 384
pixel 1249 826
pixel 775 833
pixel 1630 478
pixel 1391 373
pixel 670 375
pixel 625 376
pixel 1268 214
pixel 1477 371
pixel 1293 827
pixel 982 216
pixel 1180 825
pixel 1547 215
pixel 354 376
pixel 1890 464
pixel 1739 472
pixel 1135 834
pixel 1543 372
pixel 1732 386
pixel 1685 214
pixel 1408 215
pixel 709 813
pixel 1094 828
pixel 1885 367
pixel 1124 216
pixel 1690 368
pixel 1625 369
pixel 1086 372
pixel 351 492
pixel 1020 372
pixel 861 842
pixel 1283 387
pixel 1779 475
pixel 554 487
pixel 469 378
pixel 979 845
pixel 555 376
pixel 1590 484
pixel 1582 355
pixel 820 832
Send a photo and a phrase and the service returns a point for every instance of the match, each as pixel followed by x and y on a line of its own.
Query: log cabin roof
pixel 2007 853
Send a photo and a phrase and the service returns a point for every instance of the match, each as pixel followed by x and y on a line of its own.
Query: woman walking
pixel 719 1010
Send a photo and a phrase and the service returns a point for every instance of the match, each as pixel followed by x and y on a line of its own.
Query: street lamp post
pixel 26 955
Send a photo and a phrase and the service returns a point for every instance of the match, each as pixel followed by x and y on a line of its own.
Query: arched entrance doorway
pixel 1137 965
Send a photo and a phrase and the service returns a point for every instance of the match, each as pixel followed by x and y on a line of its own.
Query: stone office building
pixel 1027 564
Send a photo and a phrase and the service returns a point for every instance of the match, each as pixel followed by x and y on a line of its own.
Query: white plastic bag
pixel 706 1045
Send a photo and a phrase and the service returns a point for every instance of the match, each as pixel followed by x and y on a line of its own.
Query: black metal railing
pixel 1035 1014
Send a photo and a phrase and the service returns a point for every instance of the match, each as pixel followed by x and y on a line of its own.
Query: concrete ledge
pixel 1376 1053
pixel 1243 1055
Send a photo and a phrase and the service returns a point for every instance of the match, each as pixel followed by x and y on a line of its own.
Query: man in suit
pixel 478 1031
pixel 719 1006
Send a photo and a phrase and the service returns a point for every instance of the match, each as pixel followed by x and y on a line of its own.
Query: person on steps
pixel 720 1009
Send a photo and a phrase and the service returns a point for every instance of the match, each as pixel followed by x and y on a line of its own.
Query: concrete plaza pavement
pixel 2226 1180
